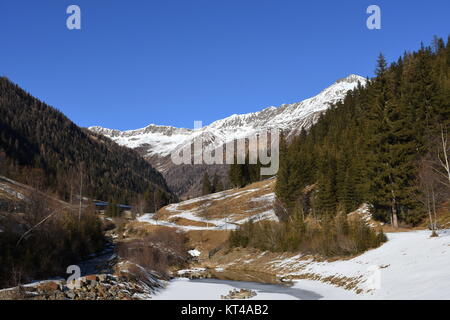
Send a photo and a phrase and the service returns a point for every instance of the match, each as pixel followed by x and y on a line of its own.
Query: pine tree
pixel 206 184
pixel 235 174
pixel 326 193
pixel 383 193
pixel 216 184
pixel 393 146
pixel 283 189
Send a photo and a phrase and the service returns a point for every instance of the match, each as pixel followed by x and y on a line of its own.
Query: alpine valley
pixel 156 143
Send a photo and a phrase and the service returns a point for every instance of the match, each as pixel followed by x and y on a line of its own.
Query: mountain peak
pixel 162 140
pixel 352 78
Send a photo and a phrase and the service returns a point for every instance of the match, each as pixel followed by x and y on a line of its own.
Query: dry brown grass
pixel 136 229
pixel 186 222
pixel 162 213
pixel 158 251
pixel 203 240
pixel 193 205
pixel 387 228
pixel 237 204
pixel 207 240
pixel 443 217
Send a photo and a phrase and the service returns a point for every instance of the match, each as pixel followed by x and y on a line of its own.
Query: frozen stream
pixel 212 289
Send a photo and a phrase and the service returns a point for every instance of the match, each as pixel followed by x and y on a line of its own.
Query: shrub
pixel 328 237
pixel 47 250
pixel 162 249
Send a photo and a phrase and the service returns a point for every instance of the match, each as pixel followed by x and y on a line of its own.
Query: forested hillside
pixel 41 147
pixel 385 144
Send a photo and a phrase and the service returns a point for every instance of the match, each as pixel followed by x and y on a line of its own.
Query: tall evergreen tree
pixel 216 184
pixel 367 148
pixel 206 184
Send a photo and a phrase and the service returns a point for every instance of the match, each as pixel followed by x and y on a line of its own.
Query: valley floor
pixel 411 265
pixel 213 289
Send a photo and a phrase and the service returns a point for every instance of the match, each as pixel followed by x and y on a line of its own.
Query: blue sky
pixel 169 62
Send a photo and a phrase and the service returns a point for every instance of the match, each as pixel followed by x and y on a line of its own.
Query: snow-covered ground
pixel 212 289
pixel 411 265
pixel 10 191
pixel 213 224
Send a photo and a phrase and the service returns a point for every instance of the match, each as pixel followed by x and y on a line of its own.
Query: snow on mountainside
pixel 160 141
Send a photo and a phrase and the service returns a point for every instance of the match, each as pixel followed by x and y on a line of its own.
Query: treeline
pixel 151 200
pixel 213 186
pixel 41 147
pixel 385 144
pixel 243 174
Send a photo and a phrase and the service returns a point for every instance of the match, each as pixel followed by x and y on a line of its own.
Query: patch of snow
pixel 270 197
pixel 268 215
pixel 193 270
pixel 411 265
pixel 11 192
pixel 194 253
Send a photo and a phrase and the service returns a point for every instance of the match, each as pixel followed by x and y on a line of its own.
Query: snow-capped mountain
pixel 156 143
pixel 162 140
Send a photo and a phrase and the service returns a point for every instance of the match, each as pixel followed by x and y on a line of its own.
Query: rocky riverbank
pixel 123 286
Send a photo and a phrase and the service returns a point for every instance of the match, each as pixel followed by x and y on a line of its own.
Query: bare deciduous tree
pixel 427 183
pixel 443 156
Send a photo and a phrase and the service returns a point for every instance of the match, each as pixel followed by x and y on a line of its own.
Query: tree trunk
pixel 445 161
pixel 434 209
pixel 429 209
pixel 394 220
pixel 81 199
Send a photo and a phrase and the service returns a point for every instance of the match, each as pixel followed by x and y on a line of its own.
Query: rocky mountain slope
pixel 156 143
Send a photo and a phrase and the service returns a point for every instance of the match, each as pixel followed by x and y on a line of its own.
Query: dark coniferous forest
pixel 383 145
pixel 41 147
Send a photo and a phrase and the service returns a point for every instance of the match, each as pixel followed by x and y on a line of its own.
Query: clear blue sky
pixel 169 62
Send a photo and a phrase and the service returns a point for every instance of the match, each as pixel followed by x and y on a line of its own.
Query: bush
pixel 162 249
pixel 50 247
pixel 329 237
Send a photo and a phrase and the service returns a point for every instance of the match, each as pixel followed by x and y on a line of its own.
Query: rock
pixel 102 292
pixel 48 286
pixel 91 277
pixel 15 293
pixel 73 284
pixel 70 295
pixel 92 284
pixel 102 277
pixel 239 294
pixel 106 285
pixel 58 296
pixel 91 296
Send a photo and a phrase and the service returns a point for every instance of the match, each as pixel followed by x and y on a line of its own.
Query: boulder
pixel 48 286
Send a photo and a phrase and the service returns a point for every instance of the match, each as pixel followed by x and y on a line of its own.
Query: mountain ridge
pixel 253 120
pixel 39 144
pixel 156 142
